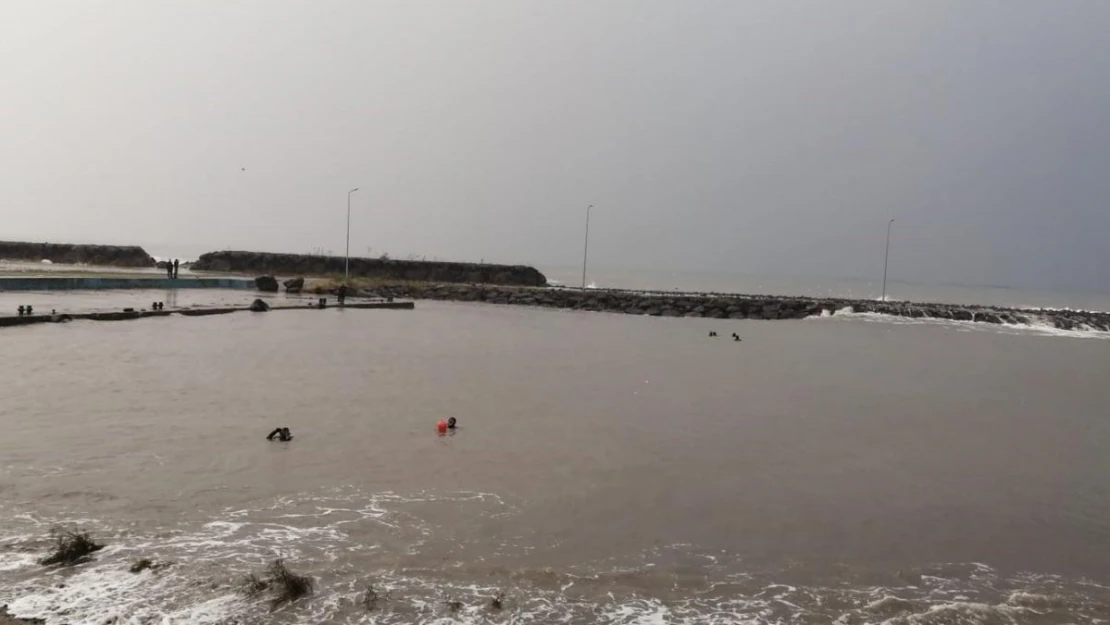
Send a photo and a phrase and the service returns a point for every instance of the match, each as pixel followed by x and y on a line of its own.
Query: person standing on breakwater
pixel 169 270
pixel 175 261
pixel 342 293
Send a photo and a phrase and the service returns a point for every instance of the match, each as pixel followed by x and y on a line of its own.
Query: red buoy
pixel 442 426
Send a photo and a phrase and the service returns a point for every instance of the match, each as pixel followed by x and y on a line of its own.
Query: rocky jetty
pixel 384 269
pixel 724 306
pixel 77 254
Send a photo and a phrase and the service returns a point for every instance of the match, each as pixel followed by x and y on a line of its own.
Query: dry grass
pixel 70 547
pixel 324 285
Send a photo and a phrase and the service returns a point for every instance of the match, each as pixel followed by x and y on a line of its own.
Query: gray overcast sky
pixel 755 137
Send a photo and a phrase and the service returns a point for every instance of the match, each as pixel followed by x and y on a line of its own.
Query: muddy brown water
pixel 607 469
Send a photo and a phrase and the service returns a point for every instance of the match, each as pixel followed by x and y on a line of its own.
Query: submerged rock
pixel 259 306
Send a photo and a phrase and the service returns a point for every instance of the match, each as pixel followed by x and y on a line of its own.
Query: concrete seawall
pixel 124 315
pixel 49 283
pixel 724 306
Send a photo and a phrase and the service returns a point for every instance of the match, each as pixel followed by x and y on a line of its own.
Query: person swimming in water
pixel 282 434
pixel 451 423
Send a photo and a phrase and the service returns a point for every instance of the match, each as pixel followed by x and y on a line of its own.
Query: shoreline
pixel 735 306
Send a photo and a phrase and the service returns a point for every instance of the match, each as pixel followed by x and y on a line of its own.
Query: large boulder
pixel 268 284
pixel 259 306
pixel 296 285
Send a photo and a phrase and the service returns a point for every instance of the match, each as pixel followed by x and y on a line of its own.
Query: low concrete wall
pixel 43 283
pixel 8 321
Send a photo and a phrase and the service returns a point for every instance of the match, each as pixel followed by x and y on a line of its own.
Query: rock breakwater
pixel 723 306
pixel 77 254
pixel 381 269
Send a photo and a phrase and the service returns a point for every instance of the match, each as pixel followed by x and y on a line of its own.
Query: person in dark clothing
pixel 175 262
pixel 342 293
pixel 452 423
pixel 169 270
pixel 282 434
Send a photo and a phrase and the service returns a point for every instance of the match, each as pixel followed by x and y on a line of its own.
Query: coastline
pixel 519 285
pixel 730 306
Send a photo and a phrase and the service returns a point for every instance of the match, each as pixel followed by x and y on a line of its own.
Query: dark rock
pixel 415 271
pixel 267 284
pixel 259 306
pixel 295 285
pixel 73 254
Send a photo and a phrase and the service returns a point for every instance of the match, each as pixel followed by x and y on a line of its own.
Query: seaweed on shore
pixel 371 598
pixel 143 564
pixel 285 585
pixel 70 547
pixel 252 585
pixel 497 603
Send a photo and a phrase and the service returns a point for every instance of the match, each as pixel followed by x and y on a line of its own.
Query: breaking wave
pixel 349 540
pixel 1037 326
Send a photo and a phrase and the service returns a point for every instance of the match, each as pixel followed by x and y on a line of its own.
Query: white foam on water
pixel 1037 327
pixel 17 561
pixel 199 568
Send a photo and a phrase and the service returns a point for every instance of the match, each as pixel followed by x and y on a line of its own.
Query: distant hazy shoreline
pixel 523 285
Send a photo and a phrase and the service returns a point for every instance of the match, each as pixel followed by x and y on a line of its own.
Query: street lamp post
pixel 586 251
pixel 347 261
pixel 886 255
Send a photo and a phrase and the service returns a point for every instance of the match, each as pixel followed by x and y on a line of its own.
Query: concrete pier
pixel 58 283
pixel 187 312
